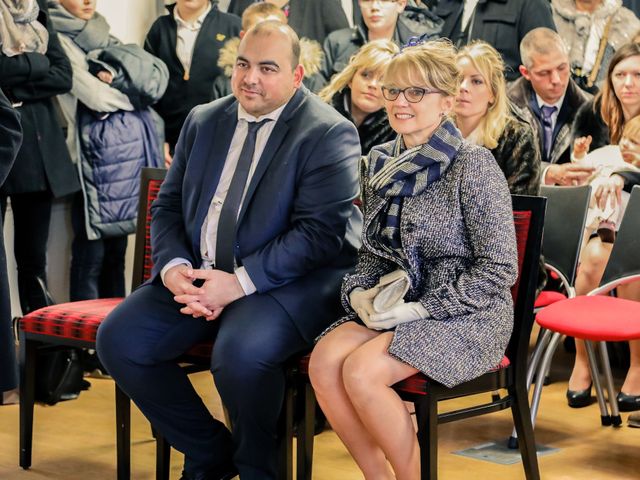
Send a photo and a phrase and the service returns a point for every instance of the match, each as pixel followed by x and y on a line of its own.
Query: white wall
pixel 130 20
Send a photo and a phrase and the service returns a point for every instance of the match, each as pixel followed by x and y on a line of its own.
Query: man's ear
pixel 298 75
pixel 524 71
pixel 241 34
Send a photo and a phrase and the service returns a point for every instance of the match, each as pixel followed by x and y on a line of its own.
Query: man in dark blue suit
pixel 252 231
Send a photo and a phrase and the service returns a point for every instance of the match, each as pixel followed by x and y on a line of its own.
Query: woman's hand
pixel 401 313
pixel 610 191
pixel 105 76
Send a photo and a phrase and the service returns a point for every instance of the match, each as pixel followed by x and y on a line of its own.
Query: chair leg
pixel 123 433
pixel 285 430
pixel 305 429
pixel 605 418
pixel 427 419
pixel 526 439
pixel 163 457
pixel 538 366
pixel 27 398
pixel 616 421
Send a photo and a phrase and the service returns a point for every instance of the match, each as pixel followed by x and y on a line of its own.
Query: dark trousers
pixel 31 219
pixel 139 342
pixel 97 266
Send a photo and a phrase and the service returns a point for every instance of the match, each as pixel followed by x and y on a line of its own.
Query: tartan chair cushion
pixel 72 320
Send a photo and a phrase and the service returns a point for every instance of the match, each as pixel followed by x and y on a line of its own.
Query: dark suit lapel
pixel 275 140
pixel 216 155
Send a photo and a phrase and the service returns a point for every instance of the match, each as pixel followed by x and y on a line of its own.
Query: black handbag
pixel 59 374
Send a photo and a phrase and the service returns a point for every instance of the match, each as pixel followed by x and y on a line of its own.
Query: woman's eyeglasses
pixel 411 94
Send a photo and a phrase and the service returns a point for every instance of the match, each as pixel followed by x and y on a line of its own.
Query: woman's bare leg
pixel 368 375
pixel 592 264
pixel 631 384
pixel 326 373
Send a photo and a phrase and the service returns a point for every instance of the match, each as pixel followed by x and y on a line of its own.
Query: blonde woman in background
pixel 355 93
pixel 486 117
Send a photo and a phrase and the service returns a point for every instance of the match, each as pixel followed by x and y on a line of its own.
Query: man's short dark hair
pixel 269 26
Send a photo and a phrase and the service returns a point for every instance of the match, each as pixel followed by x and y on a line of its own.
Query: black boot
pixel 34 294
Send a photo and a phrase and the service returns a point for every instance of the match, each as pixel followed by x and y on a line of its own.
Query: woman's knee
pixel 359 376
pixel 594 259
pixel 324 367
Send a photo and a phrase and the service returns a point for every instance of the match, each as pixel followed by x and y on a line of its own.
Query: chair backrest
pixel 564 223
pixel 150 181
pixel 625 255
pixel 528 217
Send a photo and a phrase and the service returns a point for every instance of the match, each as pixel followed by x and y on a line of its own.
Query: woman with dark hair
pixel 604 119
pixel 355 93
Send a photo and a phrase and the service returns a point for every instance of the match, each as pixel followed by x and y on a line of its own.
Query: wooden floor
pixel 76 440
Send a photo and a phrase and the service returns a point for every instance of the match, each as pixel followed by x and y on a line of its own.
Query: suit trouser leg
pixel 138 344
pixel 255 339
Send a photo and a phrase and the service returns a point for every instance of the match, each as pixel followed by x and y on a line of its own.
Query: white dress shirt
pixel 187 33
pixel 467 13
pixel 209 231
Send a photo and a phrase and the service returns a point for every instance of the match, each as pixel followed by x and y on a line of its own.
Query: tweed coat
pixel 459 241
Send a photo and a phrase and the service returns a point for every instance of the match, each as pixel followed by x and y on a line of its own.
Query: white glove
pixel 361 301
pixel 401 313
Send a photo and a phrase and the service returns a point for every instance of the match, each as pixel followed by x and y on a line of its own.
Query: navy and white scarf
pixel 395 173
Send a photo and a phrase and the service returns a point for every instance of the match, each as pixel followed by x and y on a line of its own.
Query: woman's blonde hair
pixel 373 56
pixel 431 64
pixel 489 63
pixel 611 108
pixel 631 129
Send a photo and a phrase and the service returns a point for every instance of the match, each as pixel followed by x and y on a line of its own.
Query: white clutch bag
pixel 392 289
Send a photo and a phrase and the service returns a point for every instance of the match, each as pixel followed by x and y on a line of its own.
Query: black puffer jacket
pixel 375 129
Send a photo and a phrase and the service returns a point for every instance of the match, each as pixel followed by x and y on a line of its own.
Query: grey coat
pixel 459 241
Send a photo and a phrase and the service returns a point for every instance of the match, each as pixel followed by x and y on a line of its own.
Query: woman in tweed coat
pixel 439 210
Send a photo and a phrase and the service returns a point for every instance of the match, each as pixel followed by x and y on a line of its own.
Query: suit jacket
pixel 521 93
pixel 298 231
pixel 10 139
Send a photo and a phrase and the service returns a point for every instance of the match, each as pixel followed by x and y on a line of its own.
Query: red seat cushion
pixel 73 320
pixel 598 318
pixel 547 297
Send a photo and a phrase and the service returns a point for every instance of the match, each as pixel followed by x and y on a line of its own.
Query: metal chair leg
pixel 616 421
pixel 605 418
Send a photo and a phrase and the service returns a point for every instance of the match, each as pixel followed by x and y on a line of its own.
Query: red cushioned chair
pixel 564 223
pixel 510 374
pixel 600 317
pixel 75 324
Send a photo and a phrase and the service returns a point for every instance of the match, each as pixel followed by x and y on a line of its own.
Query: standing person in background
pixel 311 53
pixel 355 93
pixel 593 30
pixel 550 99
pixel 381 20
pixel 43 169
pixel 486 117
pixel 502 24
pixel 313 19
pixel 188 40
pixel 10 140
pixel 111 135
